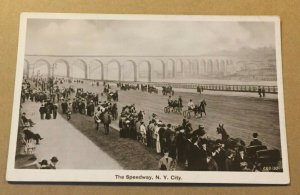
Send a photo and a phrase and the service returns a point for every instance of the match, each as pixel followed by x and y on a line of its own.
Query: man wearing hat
pixel 42 111
pixel 202 154
pixel 200 132
pixel 211 163
pixel 168 134
pixel 53 162
pixel 64 106
pixel 165 161
pixel 191 105
pixel 220 155
pixel 122 124
pixel 162 138
pixel 27 120
pixel 181 146
pixel 44 164
pixel 241 160
pixel 255 141
pixel 54 111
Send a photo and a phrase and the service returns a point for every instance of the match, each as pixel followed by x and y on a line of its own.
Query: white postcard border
pixel 28 175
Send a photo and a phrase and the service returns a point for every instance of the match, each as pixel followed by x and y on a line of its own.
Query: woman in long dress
pixel 158 149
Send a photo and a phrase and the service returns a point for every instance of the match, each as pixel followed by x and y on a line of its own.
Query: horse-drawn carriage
pixel 259 157
pixel 198 110
pixel 127 86
pixel 143 87
pixel 167 90
pixel 174 106
pixel 152 89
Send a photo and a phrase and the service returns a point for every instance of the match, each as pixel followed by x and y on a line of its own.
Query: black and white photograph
pixel 148 98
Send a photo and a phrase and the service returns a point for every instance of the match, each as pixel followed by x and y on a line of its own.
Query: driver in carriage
pixel 191 105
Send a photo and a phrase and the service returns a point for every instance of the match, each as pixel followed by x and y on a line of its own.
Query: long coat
pixel 106 118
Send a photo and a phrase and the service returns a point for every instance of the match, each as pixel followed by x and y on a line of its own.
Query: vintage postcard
pixel 148 98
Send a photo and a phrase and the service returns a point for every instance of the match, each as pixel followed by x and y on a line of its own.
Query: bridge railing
pixel 212 87
pixel 224 87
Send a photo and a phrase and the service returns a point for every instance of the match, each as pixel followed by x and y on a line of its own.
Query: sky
pixel 125 37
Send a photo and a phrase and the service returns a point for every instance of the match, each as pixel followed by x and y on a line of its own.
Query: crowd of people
pixel 184 146
pixel 39 93
pixel 179 145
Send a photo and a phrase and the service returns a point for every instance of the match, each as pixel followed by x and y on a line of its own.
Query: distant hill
pixel 247 52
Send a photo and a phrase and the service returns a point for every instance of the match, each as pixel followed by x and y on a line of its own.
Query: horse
pixel 174 104
pixel 143 87
pixel 167 90
pixel 201 108
pixel 230 143
pixel 152 89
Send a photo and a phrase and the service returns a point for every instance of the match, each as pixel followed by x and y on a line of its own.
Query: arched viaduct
pixel 140 66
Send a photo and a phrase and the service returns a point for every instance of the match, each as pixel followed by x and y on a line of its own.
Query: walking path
pixel 61 139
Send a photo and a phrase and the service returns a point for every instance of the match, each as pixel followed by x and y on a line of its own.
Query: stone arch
pixel 158 68
pixel 148 71
pixel 227 62
pixel 186 66
pixel 108 74
pixel 209 66
pixel 222 66
pixel 203 68
pixel 66 63
pixel 173 71
pixel 134 66
pixel 94 70
pixel 85 68
pixel 179 66
pixel 216 68
pixel 47 64
pixel 195 66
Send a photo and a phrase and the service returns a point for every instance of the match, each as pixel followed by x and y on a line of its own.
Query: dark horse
pixel 174 104
pixel 201 108
pixel 230 143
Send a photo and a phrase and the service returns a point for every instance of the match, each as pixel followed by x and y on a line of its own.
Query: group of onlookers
pixel 47 110
pixel 182 145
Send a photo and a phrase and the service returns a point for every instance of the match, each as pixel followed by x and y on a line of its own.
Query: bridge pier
pixel 164 71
